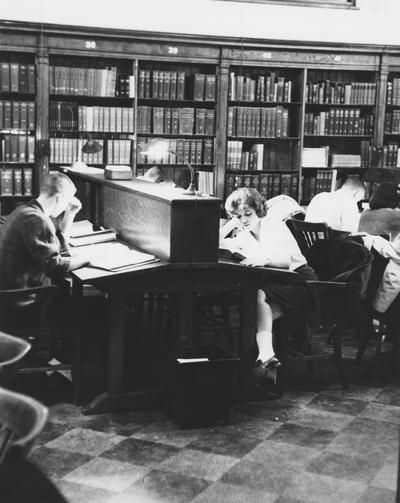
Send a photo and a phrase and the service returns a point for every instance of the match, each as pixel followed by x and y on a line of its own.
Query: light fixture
pixel 158 149
pixel 90 147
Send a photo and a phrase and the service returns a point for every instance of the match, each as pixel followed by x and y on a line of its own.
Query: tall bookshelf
pixel 177 105
pixel 263 129
pixel 339 127
pixel 17 127
pixel 91 98
pixel 390 157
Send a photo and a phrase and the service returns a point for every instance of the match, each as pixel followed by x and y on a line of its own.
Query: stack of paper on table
pixel 82 234
pixel 123 259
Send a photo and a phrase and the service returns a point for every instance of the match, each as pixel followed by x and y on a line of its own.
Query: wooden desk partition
pixel 155 217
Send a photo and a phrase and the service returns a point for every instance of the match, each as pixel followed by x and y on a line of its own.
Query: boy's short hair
pixel 57 183
pixel 249 197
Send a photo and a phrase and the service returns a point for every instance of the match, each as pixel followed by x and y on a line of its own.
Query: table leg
pixel 247 342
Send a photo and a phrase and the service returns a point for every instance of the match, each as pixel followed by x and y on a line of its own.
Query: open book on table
pixel 113 256
pixel 82 234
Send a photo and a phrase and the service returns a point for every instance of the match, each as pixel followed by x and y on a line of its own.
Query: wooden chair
pixel 335 299
pixel 39 330
pixel 307 233
pixel 12 351
pixel 21 421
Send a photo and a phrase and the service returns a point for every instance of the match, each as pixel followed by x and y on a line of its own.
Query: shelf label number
pixel 172 50
pixel 267 55
pixel 337 58
pixel 90 44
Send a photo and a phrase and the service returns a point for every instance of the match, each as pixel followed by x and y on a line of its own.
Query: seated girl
pixel 266 241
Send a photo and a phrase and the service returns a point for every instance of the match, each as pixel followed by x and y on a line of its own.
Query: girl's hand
pixel 256 261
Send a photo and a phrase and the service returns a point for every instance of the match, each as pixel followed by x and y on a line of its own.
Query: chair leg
pixel 337 355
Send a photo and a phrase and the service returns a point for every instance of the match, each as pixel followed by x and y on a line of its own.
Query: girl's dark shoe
pixel 264 371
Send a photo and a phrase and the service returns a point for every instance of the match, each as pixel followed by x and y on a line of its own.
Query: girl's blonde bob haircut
pixel 249 197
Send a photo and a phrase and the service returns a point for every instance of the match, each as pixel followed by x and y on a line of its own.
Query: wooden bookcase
pixel 309 84
pixel 176 103
pixel 91 98
pixel 264 120
pixel 339 127
pixel 17 126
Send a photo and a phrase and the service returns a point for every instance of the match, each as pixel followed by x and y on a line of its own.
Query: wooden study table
pixel 185 280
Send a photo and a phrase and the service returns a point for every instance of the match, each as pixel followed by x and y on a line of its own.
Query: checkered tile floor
pixel 316 444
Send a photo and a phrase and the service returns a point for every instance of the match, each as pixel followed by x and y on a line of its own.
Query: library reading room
pixel 199 271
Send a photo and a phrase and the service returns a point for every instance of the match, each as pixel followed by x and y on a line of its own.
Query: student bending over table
pixel 265 241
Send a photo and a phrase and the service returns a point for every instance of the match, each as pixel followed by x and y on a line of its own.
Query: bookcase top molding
pixel 119 43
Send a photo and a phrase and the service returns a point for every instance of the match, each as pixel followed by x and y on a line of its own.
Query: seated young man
pixel 266 241
pixel 338 209
pixel 34 249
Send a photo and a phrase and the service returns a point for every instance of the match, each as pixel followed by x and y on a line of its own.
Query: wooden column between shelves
pixel 381 103
pixel 42 114
pixel 220 141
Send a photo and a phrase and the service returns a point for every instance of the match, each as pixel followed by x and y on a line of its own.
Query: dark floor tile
pixel 337 404
pixel 314 418
pixel 382 412
pixel 377 494
pixel 140 452
pixel 67 413
pixel 314 488
pixel 390 396
pixel 366 437
pixel 302 435
pixel 256 427
pixel 77 493
pixel 52 431
pixel 118 424
pixel 345 467
pixel 56 463
pixel 220 492
pixel 271 410
pixel 167 432
pixel 286 499
pixel 224 441
pixel 165 487
pixel 288 456
pixel 270 478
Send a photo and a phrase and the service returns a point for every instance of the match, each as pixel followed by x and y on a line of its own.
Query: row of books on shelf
pixel 258 122
pixel 268 184
pixel 341 93
pixel 16 181
pixel 17 114
pixel 390 155
pixel 74 117
pixel 392 121
pixel 17 77
pixel 393 92
pixel 339 121
pixel 171 85
pixel 324 180
pixel 264 88
pixel 194 151
pixel 322 157
pixel 185 120
pixel 65 151
pixel 259 157
pixel 17 148
pixel 101 81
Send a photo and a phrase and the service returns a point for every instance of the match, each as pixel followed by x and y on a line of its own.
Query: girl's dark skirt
pixel 293 299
